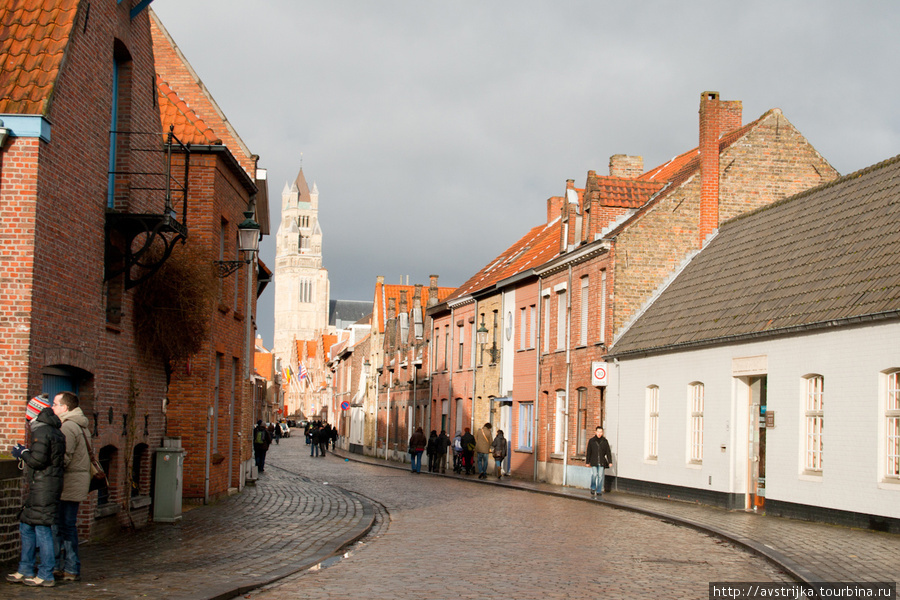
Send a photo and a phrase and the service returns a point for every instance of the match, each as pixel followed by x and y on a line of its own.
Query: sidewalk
pixel 283 525
pixel 810 552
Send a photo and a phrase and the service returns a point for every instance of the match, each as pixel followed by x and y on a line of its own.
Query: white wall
pixel 851 360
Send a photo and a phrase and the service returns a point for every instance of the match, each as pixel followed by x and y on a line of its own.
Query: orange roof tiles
pixel 534 249
pixel 621 191
pixel 393 291
pixel 264 363
pixel 34 35
pixel 189 128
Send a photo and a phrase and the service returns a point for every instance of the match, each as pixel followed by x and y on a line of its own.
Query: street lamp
pixel 481 335
pixel 248 244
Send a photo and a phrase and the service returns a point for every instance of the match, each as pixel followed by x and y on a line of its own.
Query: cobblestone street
pixel 447 538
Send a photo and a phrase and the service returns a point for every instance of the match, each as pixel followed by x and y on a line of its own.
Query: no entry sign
pixel 599 373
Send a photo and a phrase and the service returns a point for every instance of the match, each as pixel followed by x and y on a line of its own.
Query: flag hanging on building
pixel 303 372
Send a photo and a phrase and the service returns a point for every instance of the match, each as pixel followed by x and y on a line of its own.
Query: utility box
pixel 167 492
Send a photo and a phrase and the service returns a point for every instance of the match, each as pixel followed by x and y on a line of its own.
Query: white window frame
pixel 532 325
pixel 523 329
pixel 525 438
pixel 585 288
pixel 814 423
pixel 561 319
pixel 601 335
pixel 652 401
pixel 559 438
pixel 696 401
pixel 546 343
pixel 892 426
pixel 581 426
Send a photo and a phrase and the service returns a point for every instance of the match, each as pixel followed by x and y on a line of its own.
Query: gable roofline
pixel 823 258
pixel 203 89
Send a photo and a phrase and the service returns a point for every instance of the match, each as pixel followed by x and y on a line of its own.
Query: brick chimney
pixel 432 290
pixel 629 167
pixel 716 117
pixel 554 207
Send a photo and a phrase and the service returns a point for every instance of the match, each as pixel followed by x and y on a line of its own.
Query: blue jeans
pixel 40 538
pixel 67 538
pixel 416 461
pixel 597 473
pixel 314 449
pixel 482 462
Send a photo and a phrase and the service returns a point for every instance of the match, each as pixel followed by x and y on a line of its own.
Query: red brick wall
pixel 58 190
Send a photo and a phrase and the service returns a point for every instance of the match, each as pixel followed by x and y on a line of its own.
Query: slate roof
pixel 34 35
pixel 345 311
pixel 827 256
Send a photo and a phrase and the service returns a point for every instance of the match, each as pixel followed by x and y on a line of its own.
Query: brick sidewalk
pixel 809 551
pixel 284 524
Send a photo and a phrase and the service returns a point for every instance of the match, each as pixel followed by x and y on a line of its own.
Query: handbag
pixel 98 475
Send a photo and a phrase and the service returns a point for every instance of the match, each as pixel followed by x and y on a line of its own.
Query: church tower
pixel 301 282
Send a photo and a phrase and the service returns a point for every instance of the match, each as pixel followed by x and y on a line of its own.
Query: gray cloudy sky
pixel 437 130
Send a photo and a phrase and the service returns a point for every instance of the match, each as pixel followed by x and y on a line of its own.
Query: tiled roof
pixel 33 39
pixel 621 191
pixel 189 127
pixel 535 248
pixel 825 255
pixel 393 291
pixel 264 362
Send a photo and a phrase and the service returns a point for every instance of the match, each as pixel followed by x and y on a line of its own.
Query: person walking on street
pixel 314 432
pixel 468 444
pixel 334 437
pixel 598 457
pixel 498 449
pixel 261 441
pixel 443 446
pixel 324 438
pixel 45 462
pixel 417 443
pixel 483 442
pixel 277 435
pixel 431 450
pixel 76 482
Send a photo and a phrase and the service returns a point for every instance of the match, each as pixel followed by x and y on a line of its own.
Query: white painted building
pixel 766 375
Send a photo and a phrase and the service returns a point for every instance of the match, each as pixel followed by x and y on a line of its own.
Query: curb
pixel 332 549
pixel 788 565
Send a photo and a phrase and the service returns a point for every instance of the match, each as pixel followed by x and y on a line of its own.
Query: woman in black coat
pixel 44 479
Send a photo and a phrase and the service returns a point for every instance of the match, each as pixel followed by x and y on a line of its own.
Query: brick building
pixel 81 170
pixel 211 405
pixel 626 234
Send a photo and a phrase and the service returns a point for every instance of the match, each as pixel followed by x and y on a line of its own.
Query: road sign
pixel 345 405
pixel 599 373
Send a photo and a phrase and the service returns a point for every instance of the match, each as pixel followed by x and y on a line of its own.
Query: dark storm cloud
pixel 437 130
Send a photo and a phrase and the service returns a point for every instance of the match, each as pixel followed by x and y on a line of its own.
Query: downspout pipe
pixel 568 374
pixel 537 380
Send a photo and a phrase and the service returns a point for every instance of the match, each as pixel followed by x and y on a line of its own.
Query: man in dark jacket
pixel 45 462
pixel 261 441
pixel 468 444
pixel 443 446
pixel 599 458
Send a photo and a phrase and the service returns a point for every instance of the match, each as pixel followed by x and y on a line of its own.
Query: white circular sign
pixel 599 372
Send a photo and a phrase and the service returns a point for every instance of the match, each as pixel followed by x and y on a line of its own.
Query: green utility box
pixel 167 492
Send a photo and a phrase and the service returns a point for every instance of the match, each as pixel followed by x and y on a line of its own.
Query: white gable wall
pixel 851 360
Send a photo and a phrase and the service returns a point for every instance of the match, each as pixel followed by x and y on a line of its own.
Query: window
pixel 546 323
pixel 526 426
pixel 560 422
pixel 404 328
pixel 582 340
pixel 472 343
pixel 652 422
pixel 437 345
pixel 446 345
pixel 696 398
pixel 892 425
pixel 561 320
pixel 461 346
pixel 523 334
pixel 815 389
pixel 532 328
pixel 581 425
pixel 601 335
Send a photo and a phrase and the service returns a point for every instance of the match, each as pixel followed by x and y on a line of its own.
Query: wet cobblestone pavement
pixel 425 536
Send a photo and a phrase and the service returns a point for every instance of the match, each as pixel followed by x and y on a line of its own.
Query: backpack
pixel 457 445
pixel 260 437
